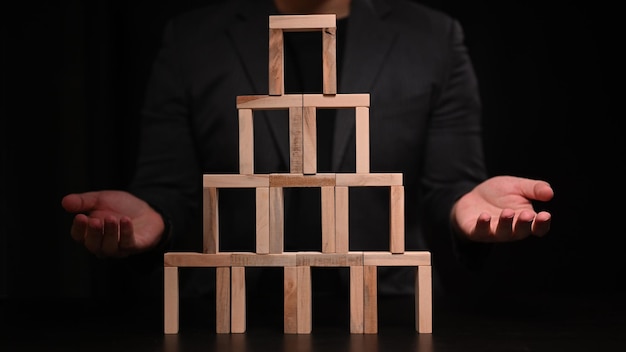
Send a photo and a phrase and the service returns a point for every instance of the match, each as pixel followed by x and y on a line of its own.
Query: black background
pixel 73 75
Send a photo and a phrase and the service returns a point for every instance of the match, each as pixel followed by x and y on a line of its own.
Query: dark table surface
pixel 540 322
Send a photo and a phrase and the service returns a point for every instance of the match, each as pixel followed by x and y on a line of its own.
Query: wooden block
pixel 302 22
pixel 264 260
pixel 210 223
pixel 309 142
pixel 170 301
pixel 356 299
pixel 424 300
pixel 235 180
pixel 246 142
pixel 295 140
pixel 329 59
pixel 305 302
pixel 290 300
pixel 320 259
pixel 362 127
pixel 328 220
pixel 276 62
pixel 196 260
pixel 336 101
pixel 301 180
pixel 238 300
pixel 370 299
pixel 269 102
pixel 262 220
pixel 222 300
pixel 342 221
pixel 396 217
pixel 374 179
pixel 277 218
pixel 411 258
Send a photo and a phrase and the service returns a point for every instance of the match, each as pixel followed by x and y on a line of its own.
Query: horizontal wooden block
pixel 302 22
pixel 192 259
pixel 413 258
pixel 375 179
pixel 301 180
pixel 329 259
pixel 336 100
pixel 265 260
pixel 269 102
pixel 235 181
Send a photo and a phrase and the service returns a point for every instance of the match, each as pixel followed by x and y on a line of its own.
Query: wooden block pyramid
pixel 230 266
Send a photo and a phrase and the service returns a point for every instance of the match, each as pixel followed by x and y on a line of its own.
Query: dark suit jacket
pixel 424 121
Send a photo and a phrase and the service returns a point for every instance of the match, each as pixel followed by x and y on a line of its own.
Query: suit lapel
pixel 250 35
pixel 368 43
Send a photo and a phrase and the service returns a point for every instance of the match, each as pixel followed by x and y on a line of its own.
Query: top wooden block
pixel 303 22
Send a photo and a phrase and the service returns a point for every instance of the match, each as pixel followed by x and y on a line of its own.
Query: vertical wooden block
pixel 277 215
pixel 263 220
pixel 362 126
pixel 170 302
pixel 342 223
pixel 328 220
pixel 210 222
pixel 222 300
pixel 370 299
pixel 238 300
pixel 290 300
pixel 295 140
pixel 356 299
pixel 276 62
pixel 305 305
pixel 424 300
pixel 329 59
pixel 309 135
pixel 396 217
pixel 246 142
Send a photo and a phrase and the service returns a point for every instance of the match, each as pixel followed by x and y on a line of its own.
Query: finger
pixel 482 230
pixel 93 236
pixel 542 223
pixel 522 225
pixel 504 229
pixel 127 236
pixel 110 245
pixel 79 227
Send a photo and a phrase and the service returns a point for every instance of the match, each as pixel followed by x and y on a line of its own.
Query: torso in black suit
pixel 424 123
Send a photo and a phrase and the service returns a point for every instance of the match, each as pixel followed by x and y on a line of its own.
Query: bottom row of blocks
pixel 231 295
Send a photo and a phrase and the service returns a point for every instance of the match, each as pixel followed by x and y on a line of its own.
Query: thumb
pixel 79 202
pixel 537 190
